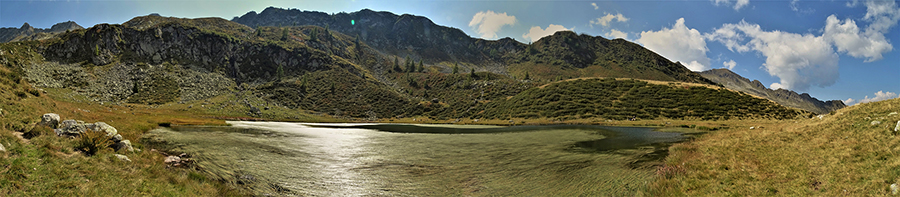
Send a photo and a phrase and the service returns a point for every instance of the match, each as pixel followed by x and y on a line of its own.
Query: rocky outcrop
pixel 784 97
pixel 27 32
pixel 74 128
pixel 217 52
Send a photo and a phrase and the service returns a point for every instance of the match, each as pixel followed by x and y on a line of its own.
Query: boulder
pixel 50 119
pixel 123 157
pixel 70 128
pixel 124 144
pixel 102 126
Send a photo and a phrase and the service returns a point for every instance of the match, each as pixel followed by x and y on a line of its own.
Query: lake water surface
pixel 311 159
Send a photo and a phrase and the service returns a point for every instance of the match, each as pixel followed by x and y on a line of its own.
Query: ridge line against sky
pixel 833 50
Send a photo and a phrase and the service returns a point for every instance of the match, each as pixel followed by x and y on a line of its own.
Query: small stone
pixel 892 113
pixel 172 160
pixel 895 189
pixel 123 157
pixel 2 149
pixel 117 138
pixel 875 122
pixel 897 128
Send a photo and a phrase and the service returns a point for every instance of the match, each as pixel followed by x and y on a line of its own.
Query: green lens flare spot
pixel 352 22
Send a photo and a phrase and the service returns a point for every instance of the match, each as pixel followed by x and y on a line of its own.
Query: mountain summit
pixel 27 32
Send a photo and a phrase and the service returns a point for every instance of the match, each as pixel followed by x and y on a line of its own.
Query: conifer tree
pixel 421 67
pixel 410 66
pixel 397 65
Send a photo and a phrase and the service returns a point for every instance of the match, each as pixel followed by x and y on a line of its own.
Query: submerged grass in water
pixel 295 159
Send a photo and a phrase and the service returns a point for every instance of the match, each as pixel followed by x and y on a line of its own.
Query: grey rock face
pixel 50 119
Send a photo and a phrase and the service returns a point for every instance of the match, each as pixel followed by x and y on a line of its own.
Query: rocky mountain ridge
pixel 788 98
pixel 566 54
pixel 163 60
pixel 27 32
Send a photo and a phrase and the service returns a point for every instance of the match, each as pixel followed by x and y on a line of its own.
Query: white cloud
pixel 595 6
pixel 795 6
pixel 852 3
pixel 849 101
pixel 882 15
pixel 613 33
pixel 879 96
pixel 799 61
pixel 536 33
pixel 678 43
pixel 730 64
pixel 488 23
pixel 740 3
pixel 848 39
pixel 737 4
pixel 604 21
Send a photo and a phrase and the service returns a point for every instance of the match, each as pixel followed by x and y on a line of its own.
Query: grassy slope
pixel 47 165
pixel 841 154
pixel 609 98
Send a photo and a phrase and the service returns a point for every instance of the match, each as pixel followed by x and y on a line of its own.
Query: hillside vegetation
pixel 609 98
pixel 849 152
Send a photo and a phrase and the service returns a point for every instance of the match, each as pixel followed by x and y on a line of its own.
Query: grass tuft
pixel 90 142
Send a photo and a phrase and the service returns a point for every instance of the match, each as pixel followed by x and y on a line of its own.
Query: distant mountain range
pixel 27 32
pixel 564 54
pixel 369 64
pixel 788 98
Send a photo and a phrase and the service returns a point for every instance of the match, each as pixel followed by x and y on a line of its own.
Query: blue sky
pixel 834 49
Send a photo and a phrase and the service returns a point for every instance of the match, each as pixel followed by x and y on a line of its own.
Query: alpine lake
pixel 362 159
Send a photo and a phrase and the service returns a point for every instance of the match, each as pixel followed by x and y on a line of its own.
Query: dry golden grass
pixel 47 165
pixel 841 154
